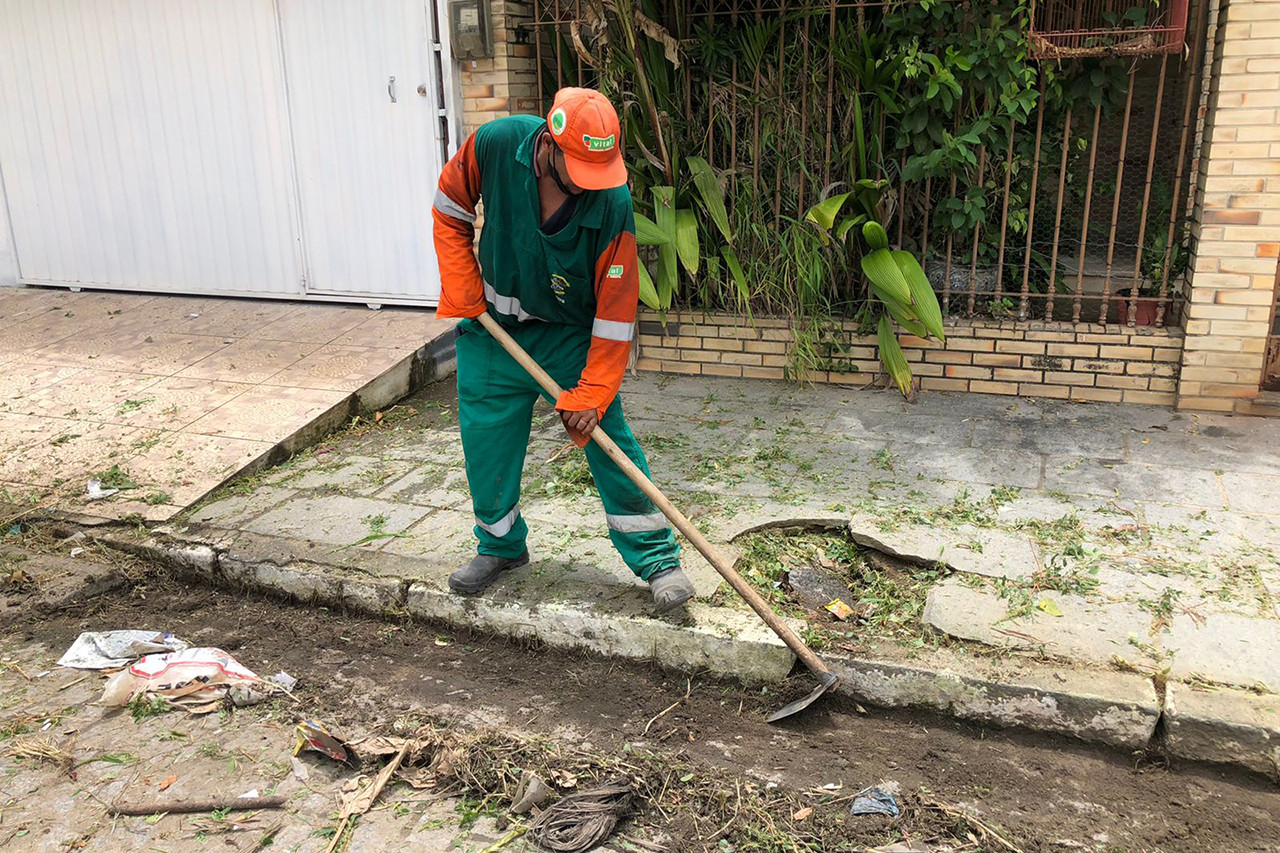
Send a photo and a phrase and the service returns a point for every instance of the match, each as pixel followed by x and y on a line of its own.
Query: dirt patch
pixel 1044 794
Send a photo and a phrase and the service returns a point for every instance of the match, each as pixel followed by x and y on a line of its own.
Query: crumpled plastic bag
pixel 196 679
pixel 110 649
pixel 876 801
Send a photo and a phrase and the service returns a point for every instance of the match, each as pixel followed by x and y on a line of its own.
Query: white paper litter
pixel 110 649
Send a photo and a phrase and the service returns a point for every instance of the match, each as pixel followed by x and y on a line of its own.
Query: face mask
pixel 555 175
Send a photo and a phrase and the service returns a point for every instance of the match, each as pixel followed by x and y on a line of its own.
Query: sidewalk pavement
pixel 166 397
pixel 1106 571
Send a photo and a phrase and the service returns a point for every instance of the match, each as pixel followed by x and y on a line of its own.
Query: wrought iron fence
pixel 1051 190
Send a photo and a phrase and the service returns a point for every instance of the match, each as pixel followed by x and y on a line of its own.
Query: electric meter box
pixel 470 33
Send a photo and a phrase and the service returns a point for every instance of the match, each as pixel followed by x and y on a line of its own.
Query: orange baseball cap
pixel 585 126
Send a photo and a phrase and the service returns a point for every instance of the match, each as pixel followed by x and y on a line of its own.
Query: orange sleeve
pixel 617 297
pixel 454 216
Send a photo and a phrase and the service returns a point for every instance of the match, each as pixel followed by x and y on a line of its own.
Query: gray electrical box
pixel 470 34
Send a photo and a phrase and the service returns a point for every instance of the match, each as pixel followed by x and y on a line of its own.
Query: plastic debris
pixel 840 610
pixel 530 793
pixel 111 649
pixel 95 491
pixel 316 738
pixel 195 679
pixel 284 680
pixel 876 801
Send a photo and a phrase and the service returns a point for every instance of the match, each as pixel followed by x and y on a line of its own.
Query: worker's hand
pixel 582 422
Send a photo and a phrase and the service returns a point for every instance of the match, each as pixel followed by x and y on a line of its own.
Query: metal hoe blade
pixel 826 681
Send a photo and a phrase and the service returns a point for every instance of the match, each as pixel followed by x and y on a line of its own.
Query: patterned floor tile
pixel 250 360
pixel 173 403
pixel 268 413
pixel 319 324
pixel 339 368
pixel 90 394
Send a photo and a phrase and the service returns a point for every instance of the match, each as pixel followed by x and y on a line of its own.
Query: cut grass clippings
pixel 672 794
pixel 886 595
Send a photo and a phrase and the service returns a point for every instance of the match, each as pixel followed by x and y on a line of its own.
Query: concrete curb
pixel 722 640
pixel 1225 726
pixel 1110 708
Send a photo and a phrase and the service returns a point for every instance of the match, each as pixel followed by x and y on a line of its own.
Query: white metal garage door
pixel 240 147
pixel 364 105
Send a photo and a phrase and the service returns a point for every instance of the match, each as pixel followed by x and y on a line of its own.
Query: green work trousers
pixel 495 411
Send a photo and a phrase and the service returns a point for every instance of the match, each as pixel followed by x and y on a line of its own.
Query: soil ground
pixel 739 782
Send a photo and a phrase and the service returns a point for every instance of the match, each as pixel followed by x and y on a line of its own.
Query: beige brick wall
pixel 1237 229
pixel 1028 359
pixel 507 84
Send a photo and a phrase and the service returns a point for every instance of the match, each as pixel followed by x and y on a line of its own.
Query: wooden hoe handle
pixel 677 518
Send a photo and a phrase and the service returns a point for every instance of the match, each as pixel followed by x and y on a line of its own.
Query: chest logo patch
pixel 559 286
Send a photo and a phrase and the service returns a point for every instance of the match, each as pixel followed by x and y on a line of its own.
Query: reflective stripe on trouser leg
pixel 636 523
pixel 495 406
pixel 502 526
pixel 638 530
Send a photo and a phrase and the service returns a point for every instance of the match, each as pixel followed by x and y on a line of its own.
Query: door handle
pixel 391 88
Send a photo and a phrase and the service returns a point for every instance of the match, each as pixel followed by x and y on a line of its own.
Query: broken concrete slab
pixel 1112 708
pixel 979 551
pixel 1087 631
pixel 1225 647
pixel 770 515
pixel 1224 726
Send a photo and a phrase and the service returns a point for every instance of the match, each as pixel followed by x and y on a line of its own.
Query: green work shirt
pixel 529 275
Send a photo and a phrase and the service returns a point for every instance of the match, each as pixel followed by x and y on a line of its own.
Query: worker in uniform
pixel 557 268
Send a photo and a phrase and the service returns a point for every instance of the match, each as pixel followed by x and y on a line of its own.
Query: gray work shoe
pixel 670 589
pixel 483 570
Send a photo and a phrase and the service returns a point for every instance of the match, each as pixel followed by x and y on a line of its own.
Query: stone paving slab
pixel 1224 647
pixel 1087 631
pixel 181 394
pixel 966 548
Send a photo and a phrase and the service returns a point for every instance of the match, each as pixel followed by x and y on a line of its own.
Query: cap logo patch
pixel 597 143
pixel 558 122
pixel 615 271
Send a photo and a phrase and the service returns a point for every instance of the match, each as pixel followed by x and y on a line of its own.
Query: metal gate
pixel 238 147
pixel 1271 367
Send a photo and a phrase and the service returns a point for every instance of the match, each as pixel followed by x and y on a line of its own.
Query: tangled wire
pixel 580 821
